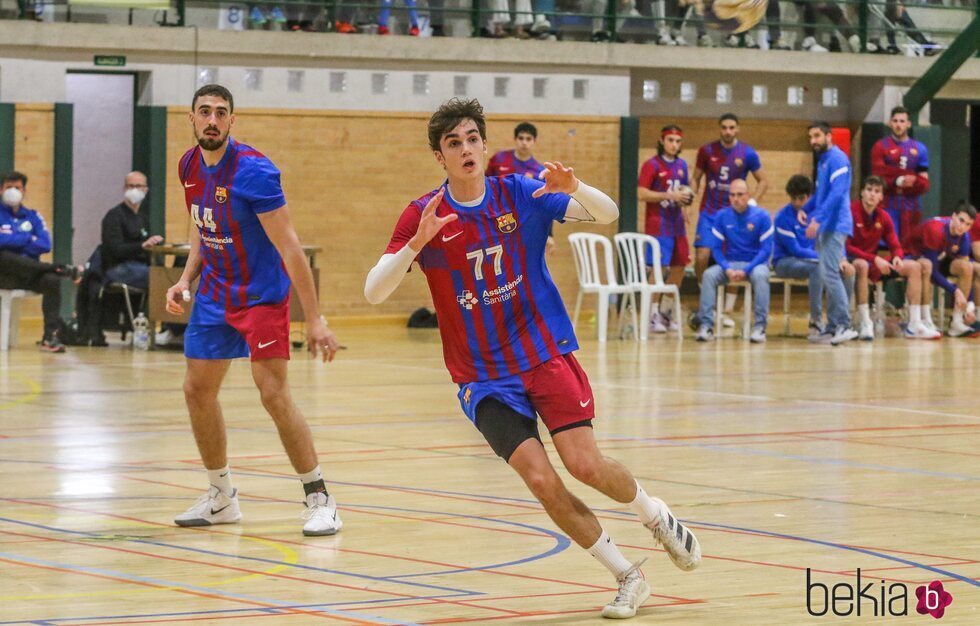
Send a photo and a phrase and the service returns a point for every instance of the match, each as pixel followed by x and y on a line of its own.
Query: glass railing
pixel 888 27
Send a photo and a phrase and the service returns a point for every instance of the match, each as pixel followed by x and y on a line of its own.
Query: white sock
pixel 958 318
pixel 312 476
pixel 730 299
pixel 864 312
pixel 667 304
pixel 221 478
pixel 915 314
pixel 606 552
pixel 927 313
pixel 644 506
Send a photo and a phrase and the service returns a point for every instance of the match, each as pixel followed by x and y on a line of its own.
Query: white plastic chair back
pixel 587 248
pixel 632 259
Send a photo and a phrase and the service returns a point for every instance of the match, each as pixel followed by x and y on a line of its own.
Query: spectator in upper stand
pixel 126 236
pixel 24 237
pixel 413 17
pixel 742 246
pixel 872 225
pixel 794 255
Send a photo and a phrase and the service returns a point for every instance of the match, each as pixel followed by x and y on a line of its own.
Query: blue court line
pixel 839 546
pixel 283 610
pixel 798 457
pixel 242 558
pixel 166 583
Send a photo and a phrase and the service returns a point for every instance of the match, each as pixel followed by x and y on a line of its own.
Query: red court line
pixel 820 432
pixel 185 591
pixel 893 445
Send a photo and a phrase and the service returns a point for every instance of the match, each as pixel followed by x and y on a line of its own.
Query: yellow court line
pixel 289 556
pixel 32 394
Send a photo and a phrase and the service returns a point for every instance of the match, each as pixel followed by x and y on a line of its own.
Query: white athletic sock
pixel 667 304
pixel 221 478
pixel 926 313
pixel 644 506
pixel 730 299
pixel 958 318
pixel 864 312
pixel 606 552
pixel 915 314
pixel 312 476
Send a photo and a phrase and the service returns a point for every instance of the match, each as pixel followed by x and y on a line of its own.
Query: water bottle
pixel 879 328
pixel 141 332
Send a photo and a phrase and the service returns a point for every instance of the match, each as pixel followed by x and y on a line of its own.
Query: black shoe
pixel 74 272
pixel 437 31
pixel 99 342
pixel 51 344
pixel 600 36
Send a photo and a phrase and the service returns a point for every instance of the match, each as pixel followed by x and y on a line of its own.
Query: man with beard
pixel 246 251
pixel 507 340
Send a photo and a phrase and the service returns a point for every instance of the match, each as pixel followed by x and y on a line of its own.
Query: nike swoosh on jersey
pixel 186 186
pixel 451 237
pixel 266 345
pixel 584 404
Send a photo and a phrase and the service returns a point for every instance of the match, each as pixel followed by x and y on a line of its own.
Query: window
pixel 760 95
pixel 500 86
pixel 295 80
pixel 689 91
pixel 461 85
pixel 723 93
pixel 540 87
pixel 580 88
pixel 379 83
pixel 794 96
pixel 651 90
pixel 338 82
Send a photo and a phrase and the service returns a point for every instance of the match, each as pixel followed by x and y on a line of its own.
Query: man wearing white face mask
pixel 126 236
pixel 24 237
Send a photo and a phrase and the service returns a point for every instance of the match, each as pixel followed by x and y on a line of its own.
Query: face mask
pixel 12 197
pixel 134 195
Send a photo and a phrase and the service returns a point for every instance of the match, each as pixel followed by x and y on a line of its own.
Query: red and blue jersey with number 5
pixel 499 310
pixel 240 265
pixel 721 166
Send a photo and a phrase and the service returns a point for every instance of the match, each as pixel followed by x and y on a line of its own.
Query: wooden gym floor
pixel 782 457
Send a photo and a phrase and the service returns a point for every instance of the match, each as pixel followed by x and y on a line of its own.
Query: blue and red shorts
pixel 558 390
pixel 216 331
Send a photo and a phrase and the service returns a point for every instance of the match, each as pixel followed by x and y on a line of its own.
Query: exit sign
pixel 110 60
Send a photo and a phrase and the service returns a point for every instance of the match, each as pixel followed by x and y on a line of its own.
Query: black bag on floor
pixel 423 318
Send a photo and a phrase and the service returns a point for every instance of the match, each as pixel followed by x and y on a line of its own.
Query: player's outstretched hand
pixel 176 295
pixel 430 224
pixel 322 340
pixel 557 179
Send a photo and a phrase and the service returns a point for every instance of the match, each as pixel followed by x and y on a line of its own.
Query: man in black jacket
pixel 126 236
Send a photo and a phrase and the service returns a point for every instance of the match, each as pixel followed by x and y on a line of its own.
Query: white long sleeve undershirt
pixel 587 204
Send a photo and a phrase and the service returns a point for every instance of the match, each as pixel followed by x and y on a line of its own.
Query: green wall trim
pixel 63 163
pixel 629 167
pixel 8 113
pixel 150 157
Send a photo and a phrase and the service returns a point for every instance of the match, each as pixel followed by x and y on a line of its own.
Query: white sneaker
pixel 680 543
pixel 930 325
pixel 814 331
pixel 727 321
pixel 679 40
pixel 781 44
pixel 921 331
pixel 214 507
pixel 540 25
pixel 810 45
pixel 321 516
pixel 704 334
pixel 705 41
pixel 958 329
pixel 664 38
pixel 867 331
pixel 657 324
pixel 758 335
pixel 843 335
pixel 855 43
pixel 633 592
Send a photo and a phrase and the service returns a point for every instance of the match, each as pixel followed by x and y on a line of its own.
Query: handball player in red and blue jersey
pixel 507 340
pixel 663 187
pixel 245 250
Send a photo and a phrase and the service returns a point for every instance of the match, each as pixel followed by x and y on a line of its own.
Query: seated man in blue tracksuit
pixel 741 249
pixel 794 255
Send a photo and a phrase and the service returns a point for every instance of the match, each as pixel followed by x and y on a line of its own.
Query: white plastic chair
pixel 586 251
pixel 632 261
pixel 8 316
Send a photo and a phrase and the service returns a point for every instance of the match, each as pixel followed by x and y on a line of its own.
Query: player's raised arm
pixel 588 204
pixel 283 236
pixel 192 269
pixel 385 277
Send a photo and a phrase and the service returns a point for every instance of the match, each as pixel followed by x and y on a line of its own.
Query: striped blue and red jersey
pixel 664 218
pixel 240 265
pixel 499 310
pixel 506 162
pixel 889 160
pixel 933 237
pixel 721 166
